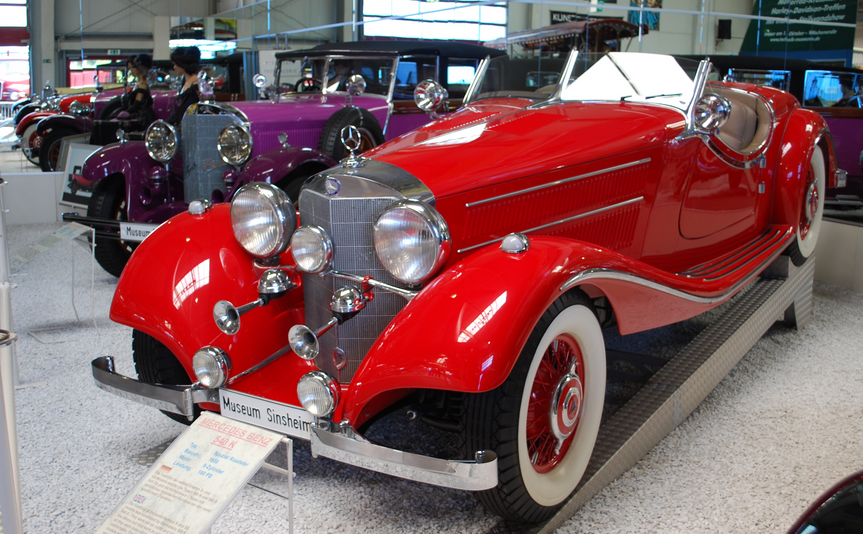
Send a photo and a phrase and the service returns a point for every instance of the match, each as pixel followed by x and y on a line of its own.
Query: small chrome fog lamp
pixel 211 366
pixel 312 249
pixel 318 393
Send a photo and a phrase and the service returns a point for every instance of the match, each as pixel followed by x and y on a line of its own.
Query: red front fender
pixel 465 331
pixel 176 276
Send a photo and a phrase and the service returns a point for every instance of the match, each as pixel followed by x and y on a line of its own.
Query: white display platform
pixel 840 255
pixel 33 197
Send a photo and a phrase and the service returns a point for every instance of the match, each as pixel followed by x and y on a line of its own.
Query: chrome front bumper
pixel 343 445
pixel 175 399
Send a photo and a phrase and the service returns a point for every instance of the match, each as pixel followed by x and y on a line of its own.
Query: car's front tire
pixel 109 202
pixel 156 364
pixel 49 151
pixel 542 454
pixel 811 210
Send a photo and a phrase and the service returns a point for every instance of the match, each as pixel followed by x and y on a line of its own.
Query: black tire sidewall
pixel 492 422
pixel 55 136
pixel 109 194
pixel 156 364
pixel 330 142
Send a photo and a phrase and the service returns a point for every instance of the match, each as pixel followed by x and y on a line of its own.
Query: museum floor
pixel 780 429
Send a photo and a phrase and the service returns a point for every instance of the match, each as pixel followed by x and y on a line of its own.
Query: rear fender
pixel 805 131
pixel 176 276
pixel 465 330
pixel 78 123
pixel 277 164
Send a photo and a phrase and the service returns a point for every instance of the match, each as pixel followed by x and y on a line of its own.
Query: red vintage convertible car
pixel 468 269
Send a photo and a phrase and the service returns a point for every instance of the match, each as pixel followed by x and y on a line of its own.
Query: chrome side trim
pixel 611 274
pixel 568 219
pixel 174 399
pixel 352 449
pixel 372 172
pixel 558 182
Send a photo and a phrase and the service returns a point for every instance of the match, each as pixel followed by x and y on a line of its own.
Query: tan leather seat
pixel 748 124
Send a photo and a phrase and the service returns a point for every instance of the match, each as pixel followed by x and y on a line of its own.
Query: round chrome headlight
pixel 263 219
pixel 161 141
pixel 211 366
pixel 412 241
pixel 79 108
pixel 235 144
pixel 312 249
pixel 318 393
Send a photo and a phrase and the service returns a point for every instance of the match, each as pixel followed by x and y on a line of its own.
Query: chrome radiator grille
pixel 349 223
pixel 203 168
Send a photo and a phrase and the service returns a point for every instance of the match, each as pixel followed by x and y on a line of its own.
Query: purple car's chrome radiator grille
pixel 349 222
pixel 203 167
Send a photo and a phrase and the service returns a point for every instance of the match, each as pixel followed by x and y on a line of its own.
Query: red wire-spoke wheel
pixel 811 209
pixel 555 403
pixel 543 420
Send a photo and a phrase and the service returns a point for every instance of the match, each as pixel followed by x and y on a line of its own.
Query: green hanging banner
pixel 776 36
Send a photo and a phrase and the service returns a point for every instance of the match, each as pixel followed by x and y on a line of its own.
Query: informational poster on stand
pixel 194 480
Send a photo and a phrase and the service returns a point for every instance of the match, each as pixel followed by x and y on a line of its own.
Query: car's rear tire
pixel 371 134
pixel 811 210
pixel 49 151
pixel 114 106
pixel 156 364
pixel 109 202
pixel 565 354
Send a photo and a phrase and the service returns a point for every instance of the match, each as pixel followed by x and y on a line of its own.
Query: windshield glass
pixel 330 74
pixel 615 76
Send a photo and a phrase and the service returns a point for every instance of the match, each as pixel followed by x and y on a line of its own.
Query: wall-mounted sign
pixel 793 36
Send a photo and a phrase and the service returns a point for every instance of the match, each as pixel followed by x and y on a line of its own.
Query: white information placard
pixel 194 479
pixel 49 241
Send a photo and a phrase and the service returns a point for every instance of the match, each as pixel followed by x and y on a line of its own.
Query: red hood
pixel 493 141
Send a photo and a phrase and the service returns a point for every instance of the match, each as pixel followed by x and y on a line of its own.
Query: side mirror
pixel 205 87
pixel 356 85
pixel 711 113
pixel 260 81
pixel 429 95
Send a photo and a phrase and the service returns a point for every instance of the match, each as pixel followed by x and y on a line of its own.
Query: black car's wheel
pixel 811 210
pixel 155 364
pixel 543 420
pixel 292 183
pixel 49 151
pixel 371 134
pixel 109 202
pixel 114 106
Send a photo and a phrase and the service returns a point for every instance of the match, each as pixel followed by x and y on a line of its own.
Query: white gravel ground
pixel 781 428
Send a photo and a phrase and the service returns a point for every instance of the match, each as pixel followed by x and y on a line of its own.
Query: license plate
pixel 135 231
pixel 282 418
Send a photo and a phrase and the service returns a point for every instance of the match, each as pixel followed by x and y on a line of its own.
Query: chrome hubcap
pixel 565 407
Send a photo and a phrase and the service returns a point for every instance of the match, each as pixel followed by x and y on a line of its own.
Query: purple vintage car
pixel 284 139
pixel 104 105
